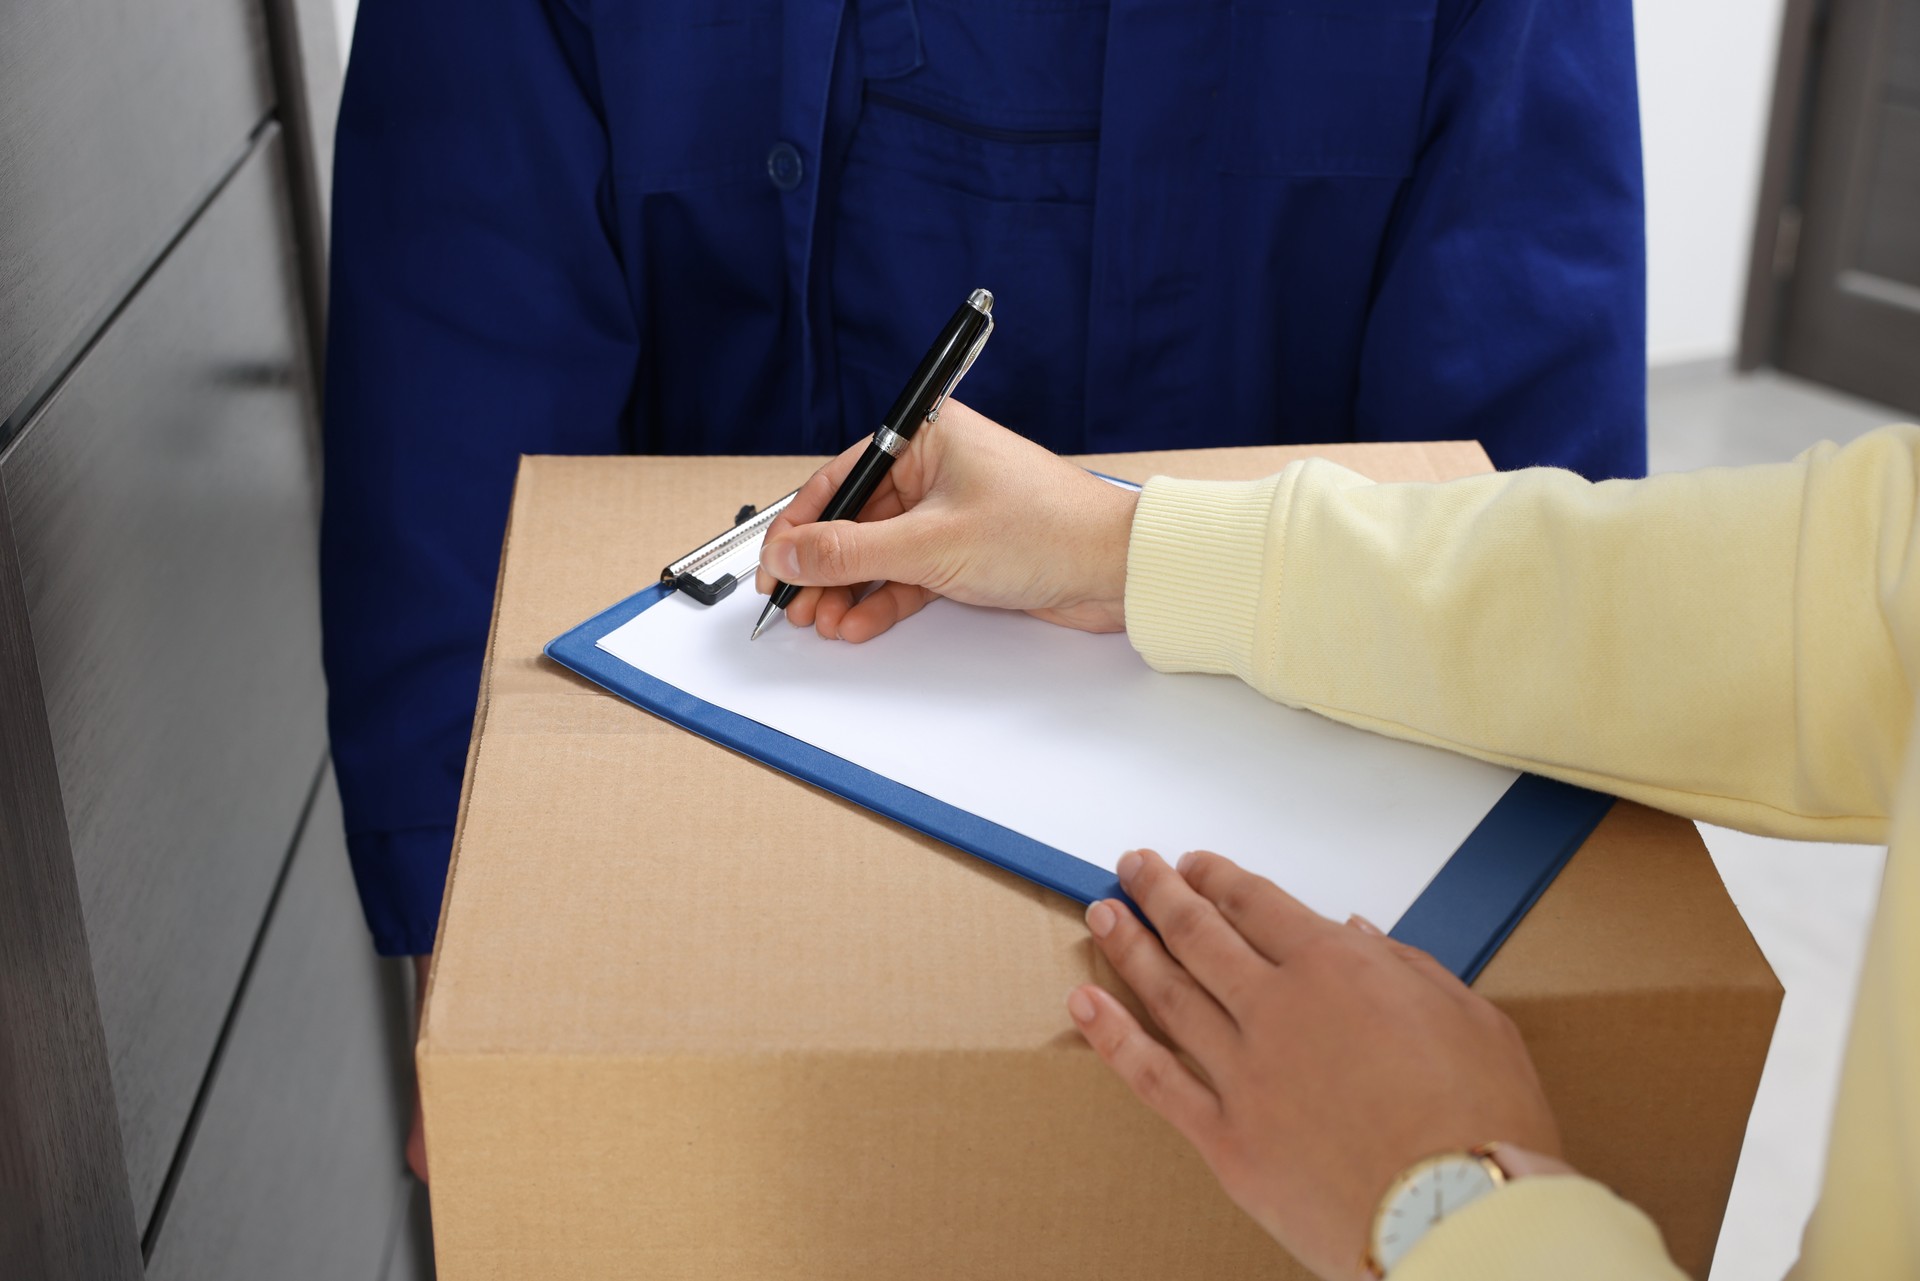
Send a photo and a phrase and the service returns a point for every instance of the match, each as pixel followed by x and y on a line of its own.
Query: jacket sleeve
pixel 478 312
pixel 1510 296
pixel 1727 645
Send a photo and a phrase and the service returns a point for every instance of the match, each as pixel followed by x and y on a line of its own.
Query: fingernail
pixel 781 560
pixel 1128 865
pixel 1365 926
pixel 1186 860
pixel 1080 1006
pixel 1100 919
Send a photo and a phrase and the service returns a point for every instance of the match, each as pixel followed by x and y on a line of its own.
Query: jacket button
pixel 784 166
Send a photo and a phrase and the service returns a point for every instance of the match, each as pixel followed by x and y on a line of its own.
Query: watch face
pixel 1427 1194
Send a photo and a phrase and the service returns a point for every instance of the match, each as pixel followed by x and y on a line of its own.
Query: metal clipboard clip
pixel 712 570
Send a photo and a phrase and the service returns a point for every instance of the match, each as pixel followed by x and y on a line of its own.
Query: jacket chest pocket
pixel 1333 88
pixel 692 91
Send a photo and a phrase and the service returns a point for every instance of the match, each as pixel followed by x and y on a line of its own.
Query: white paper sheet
pixel 1073 740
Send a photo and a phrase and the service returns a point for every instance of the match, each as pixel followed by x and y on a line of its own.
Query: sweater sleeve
pixel 1560 1226
pixel 1725 645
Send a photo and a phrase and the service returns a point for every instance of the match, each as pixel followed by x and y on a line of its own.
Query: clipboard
pixel 1462 916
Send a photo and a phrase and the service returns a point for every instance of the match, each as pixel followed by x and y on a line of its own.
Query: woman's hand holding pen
pixel 972 512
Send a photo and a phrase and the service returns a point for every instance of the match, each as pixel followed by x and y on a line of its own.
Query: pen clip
pixel 973 354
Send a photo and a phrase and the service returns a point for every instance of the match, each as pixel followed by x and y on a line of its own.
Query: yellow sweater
pixel 1735 646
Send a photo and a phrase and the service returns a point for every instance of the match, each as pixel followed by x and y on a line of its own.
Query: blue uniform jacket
pixel 731 226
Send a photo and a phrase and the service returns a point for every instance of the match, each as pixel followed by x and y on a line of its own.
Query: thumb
pixel 843 553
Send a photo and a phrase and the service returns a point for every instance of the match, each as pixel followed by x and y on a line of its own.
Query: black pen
pixel 951 355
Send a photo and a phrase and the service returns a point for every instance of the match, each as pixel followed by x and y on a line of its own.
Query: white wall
pixel 343 11
pixel 1706 79
pixel 1706 85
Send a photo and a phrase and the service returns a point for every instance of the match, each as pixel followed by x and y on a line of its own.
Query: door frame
pixel 1775 246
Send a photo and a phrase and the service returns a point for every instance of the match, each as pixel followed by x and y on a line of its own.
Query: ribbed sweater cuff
pixel 1563 1227
pixel 1197 570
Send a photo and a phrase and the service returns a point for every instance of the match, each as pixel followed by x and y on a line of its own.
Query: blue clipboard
pixel 1462 916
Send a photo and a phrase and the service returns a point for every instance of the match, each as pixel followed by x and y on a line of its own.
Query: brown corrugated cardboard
pixel 690 1018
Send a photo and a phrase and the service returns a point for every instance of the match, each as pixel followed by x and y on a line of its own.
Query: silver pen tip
pixel 766 620
pixel 981 300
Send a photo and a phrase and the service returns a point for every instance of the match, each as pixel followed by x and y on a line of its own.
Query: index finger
pixel 1193 930
pixel 1268 917
pixel 811 499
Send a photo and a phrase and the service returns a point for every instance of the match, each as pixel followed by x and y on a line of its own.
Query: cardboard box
pixel 692 1018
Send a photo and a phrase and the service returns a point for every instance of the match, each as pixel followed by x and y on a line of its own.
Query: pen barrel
pixel 937 368
pixel 859 485
pixel 846 503
pixel 942 366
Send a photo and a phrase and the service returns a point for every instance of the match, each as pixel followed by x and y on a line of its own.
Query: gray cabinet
pixel 164 515
pixel 412 1258
pixel 202 1064
pixel 116 120
pixel 297 1134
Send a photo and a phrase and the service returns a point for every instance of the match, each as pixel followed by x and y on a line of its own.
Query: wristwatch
pixel 1426 1193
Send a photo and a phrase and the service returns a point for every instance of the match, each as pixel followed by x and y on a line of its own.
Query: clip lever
pixel 973 354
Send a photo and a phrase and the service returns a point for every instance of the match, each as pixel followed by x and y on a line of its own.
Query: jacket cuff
pixel 1198 569
pixel 1560 1226
pixel 402 876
